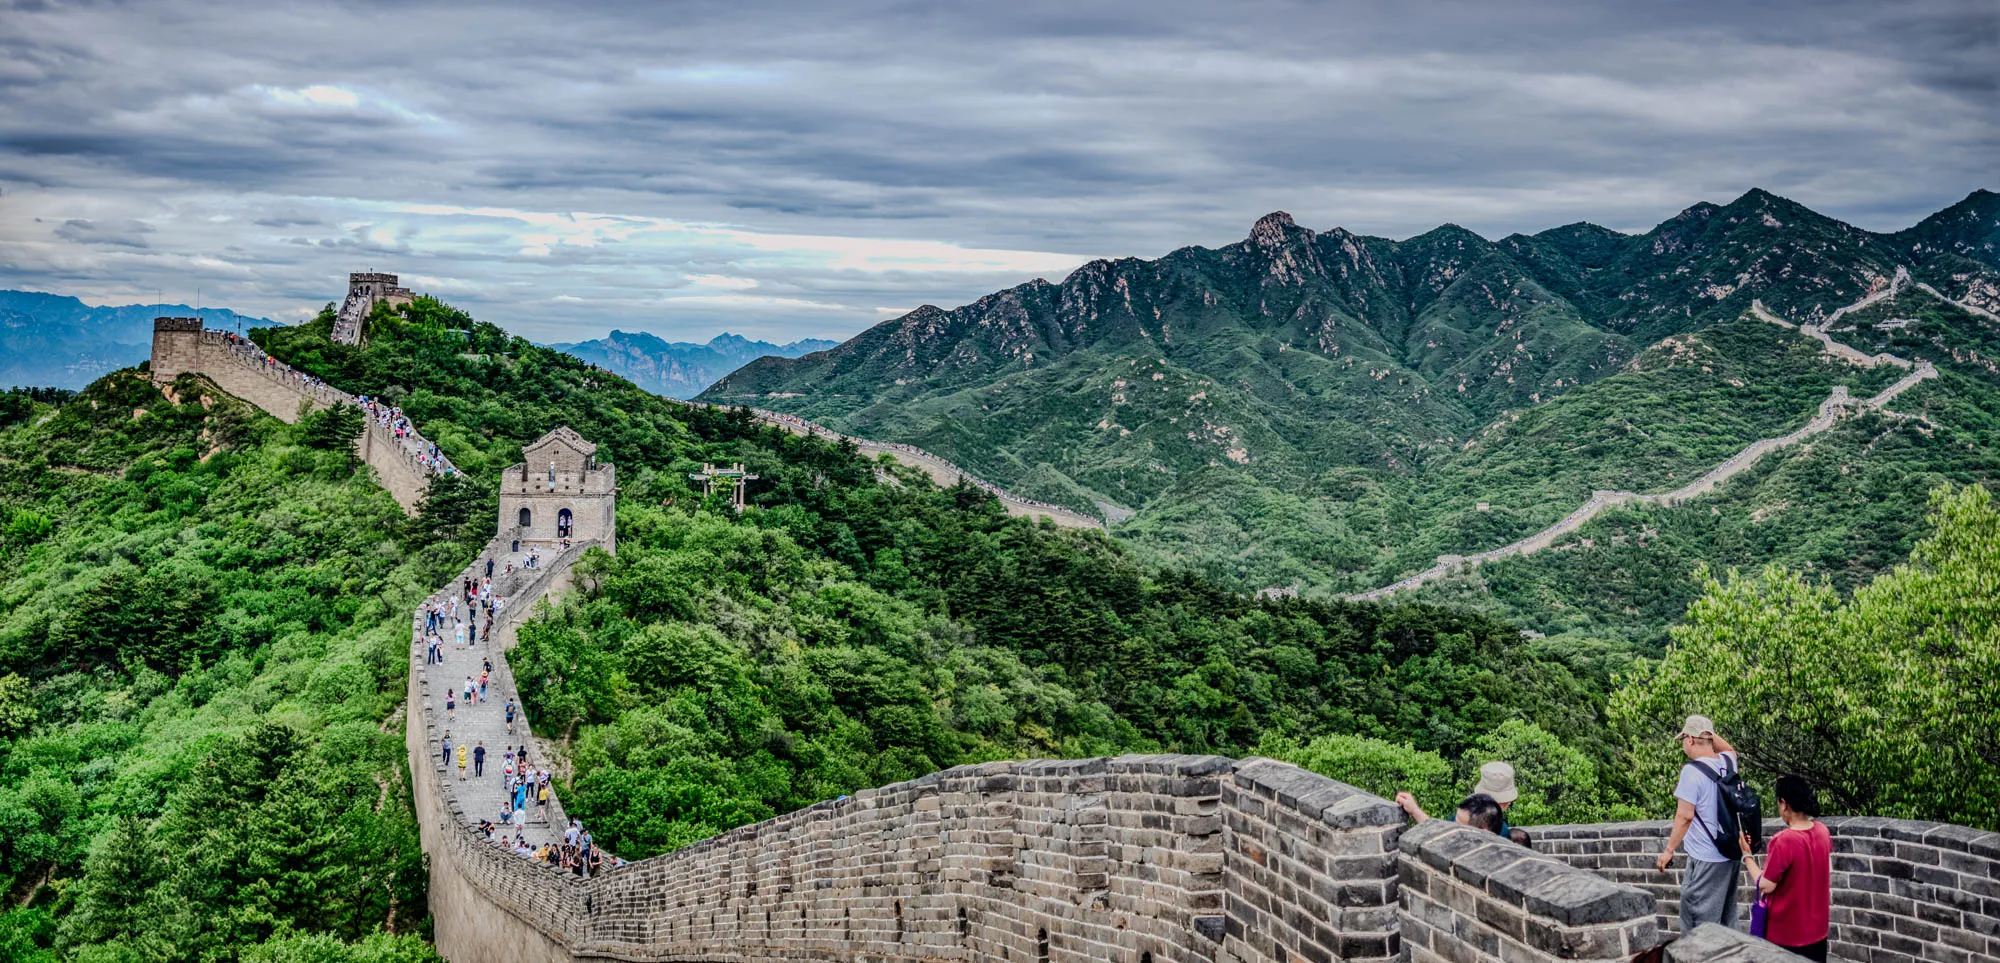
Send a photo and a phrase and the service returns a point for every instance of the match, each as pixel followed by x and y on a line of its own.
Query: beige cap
pixel 1496 779
pixel 1697 726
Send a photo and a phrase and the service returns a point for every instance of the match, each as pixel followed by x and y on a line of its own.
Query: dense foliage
pixel 202 636
pixel 199 645
pixel 1888 700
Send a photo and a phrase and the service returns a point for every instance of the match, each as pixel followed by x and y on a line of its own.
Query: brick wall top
pixel 1903 890
pixel 1520 877
pixel 177 324
pixel 1713 944
pixel 1311 794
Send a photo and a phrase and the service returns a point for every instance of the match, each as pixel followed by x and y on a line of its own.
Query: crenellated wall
pixel 1903 890
pixel 181 345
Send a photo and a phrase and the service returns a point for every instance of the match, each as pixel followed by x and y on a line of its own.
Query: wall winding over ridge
pixel 245 371
pixel 941 471
pixel 1836 405
pixel 1134 859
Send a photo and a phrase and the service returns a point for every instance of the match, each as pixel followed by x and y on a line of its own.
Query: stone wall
pixel 1903 891
pixel 1311 867
pixel 181 346
pixel 176 348
pixel 1134 859
pixel 482 898
pixel 1471 895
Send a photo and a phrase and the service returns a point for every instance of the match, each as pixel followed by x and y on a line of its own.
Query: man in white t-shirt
pixel 1708 885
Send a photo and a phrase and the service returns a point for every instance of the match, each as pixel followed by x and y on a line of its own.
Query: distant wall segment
pixel 183 346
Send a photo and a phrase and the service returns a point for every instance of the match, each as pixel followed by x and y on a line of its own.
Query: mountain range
pixel 680 369
pixel 1330 410
pixel 51 340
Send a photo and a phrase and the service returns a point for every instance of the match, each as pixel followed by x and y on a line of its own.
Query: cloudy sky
pixel 810 168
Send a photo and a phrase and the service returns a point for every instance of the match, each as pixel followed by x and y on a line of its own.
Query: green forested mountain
pixel 1329 412
pixel 203 639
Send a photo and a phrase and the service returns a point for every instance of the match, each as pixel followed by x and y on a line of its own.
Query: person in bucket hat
pixel 1496 788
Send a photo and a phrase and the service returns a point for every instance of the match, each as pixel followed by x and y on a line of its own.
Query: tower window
pixel 527 519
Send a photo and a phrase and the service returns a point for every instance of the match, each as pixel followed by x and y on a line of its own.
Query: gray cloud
pixel 122 233
pixel 567 171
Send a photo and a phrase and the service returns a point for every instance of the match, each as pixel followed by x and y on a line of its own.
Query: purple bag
pixel 1760 911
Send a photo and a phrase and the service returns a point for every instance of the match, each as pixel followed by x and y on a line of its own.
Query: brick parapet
pixel 1903 890
pixel 1471 895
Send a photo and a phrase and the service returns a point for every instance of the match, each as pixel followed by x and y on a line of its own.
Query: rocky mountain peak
pixel 1270 230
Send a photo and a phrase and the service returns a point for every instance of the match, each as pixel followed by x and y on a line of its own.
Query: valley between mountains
pixel 1329 413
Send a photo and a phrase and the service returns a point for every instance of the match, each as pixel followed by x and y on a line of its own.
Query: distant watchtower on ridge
pixel 176 348
pixel 364 289
pixel 560 491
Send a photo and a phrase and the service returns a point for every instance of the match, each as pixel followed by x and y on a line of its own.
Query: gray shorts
pixel 1708 894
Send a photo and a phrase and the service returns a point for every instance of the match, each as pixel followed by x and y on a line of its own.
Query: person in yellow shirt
pixel 461 761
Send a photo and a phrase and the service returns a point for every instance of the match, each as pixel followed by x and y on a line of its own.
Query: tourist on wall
pixel 1704 827
pixel 1496 785
pixel 1797 876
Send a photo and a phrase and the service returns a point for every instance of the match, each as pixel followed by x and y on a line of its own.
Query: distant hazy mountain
pixel 58 341
pixel 679 369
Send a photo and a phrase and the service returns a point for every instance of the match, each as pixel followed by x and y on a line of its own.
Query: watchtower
pixel 364 289
pixel 559 491
pixel 176 348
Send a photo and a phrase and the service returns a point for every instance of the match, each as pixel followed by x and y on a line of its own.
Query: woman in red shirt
pixel 1798 873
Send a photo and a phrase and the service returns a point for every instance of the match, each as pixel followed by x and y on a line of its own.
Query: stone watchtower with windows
pixel 560 491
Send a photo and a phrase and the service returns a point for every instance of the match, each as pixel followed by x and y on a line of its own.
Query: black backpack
pixel 1740 809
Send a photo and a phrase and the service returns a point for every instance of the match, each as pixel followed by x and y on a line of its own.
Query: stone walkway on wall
pixel 485 723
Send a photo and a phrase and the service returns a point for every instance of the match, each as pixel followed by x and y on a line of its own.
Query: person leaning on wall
pixel 1486 808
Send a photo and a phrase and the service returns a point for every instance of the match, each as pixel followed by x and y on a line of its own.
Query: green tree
pixel 332 429
pixel 1888 701
pixel 1375 765
pixel 118 879
pixel 17 707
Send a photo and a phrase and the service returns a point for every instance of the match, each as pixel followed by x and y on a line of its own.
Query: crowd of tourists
pixel 577 854
pixel 390 418
pixel 459 622
pixel 1717 823
pixel 256 355
pixel 468 616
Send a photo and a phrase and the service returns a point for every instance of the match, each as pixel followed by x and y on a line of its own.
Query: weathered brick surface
pixel 1470 895
pixel 1902 890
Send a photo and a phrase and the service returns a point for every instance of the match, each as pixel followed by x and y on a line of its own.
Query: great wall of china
pixel 1133 859
pixel 1831 410
pixel 941 471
